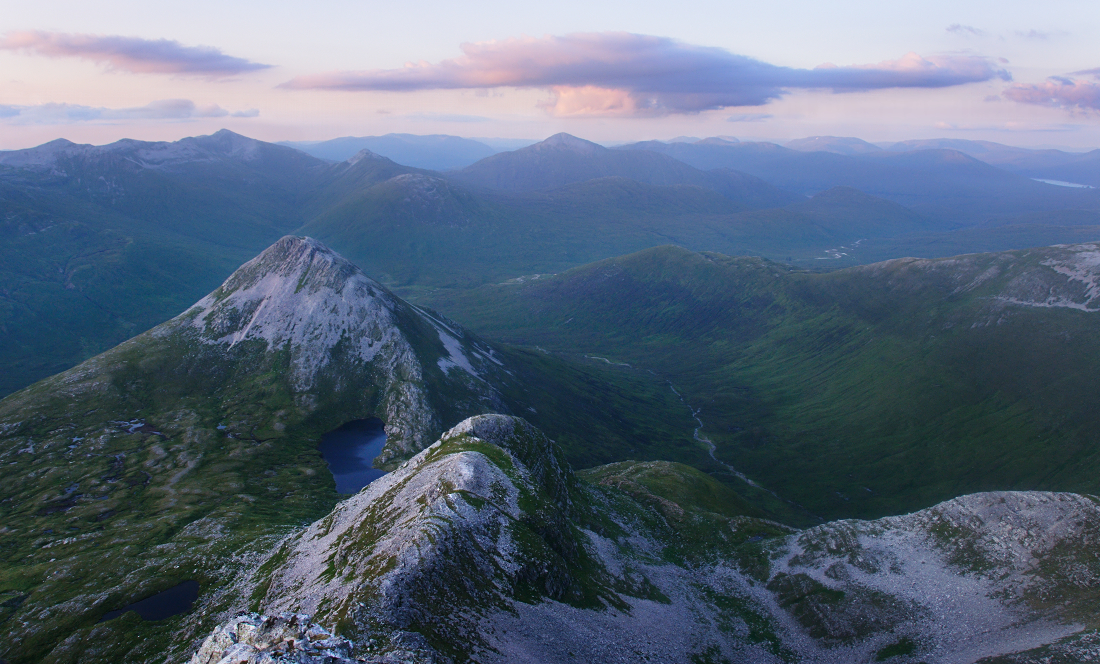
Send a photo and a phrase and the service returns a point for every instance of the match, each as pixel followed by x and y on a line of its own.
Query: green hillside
pixel 868 391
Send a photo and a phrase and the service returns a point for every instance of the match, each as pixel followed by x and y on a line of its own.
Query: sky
pixel 1021 73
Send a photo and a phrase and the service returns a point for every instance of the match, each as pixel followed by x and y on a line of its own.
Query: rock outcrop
pixel 256 639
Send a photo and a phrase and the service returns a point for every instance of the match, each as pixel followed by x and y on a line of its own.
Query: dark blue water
pixel 171 602
pixel 349 451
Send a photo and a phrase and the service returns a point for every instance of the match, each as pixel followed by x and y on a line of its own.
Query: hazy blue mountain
pixel 1058 165
pixel 837 144
pixel 563 159
pixel 1085 169
pixel 460 238
pixel 504 144
pixel 851 214
pixel 946 186
pixel 435 151
pixel 1004 156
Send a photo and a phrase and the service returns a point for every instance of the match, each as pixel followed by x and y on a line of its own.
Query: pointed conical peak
pixel 304 258
pixel 222 143
pixel 365 154
pixel 301 294
pixel 567 143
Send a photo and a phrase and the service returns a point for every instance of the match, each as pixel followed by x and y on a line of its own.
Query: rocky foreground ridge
pixel 487 547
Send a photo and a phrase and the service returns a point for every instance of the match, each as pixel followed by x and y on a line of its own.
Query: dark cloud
pixel 964 30
pixel 132 54
pixel 625 73
pixel 1059 92
pixel 166 109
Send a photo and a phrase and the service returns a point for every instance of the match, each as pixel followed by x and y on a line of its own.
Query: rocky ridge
pixel 486 547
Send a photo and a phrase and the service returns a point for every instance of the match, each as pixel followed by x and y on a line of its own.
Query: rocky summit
pixel 487 547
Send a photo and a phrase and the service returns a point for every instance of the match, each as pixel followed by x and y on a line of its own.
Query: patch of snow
pixel 1063 183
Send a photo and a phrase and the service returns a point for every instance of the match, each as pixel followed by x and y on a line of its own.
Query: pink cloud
pixel 161 110
pixel 629 74
pixel 132 54
pixel 1058 92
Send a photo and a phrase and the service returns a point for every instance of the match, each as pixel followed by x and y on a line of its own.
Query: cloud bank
pixel 132 54
pixel 165 109
pixel 629 74
pixel 965 30
pixel 1060 92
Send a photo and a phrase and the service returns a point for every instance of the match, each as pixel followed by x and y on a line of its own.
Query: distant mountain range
pixel 947 186
pixel 1059 165
pixel 435 152
pixel 104 242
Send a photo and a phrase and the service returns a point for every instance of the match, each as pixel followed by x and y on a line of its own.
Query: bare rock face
pixel 256 639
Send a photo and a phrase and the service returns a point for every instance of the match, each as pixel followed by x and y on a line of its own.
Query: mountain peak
pixel 42 155
pixel 301 294
pixel 365 154
pixel 845 145
pixel 564 141
pixel 718 140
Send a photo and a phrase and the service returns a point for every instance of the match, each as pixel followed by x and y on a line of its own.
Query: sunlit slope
pixel 867 391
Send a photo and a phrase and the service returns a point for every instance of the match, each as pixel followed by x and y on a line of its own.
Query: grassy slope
pixel 864 392
pixel 97 513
